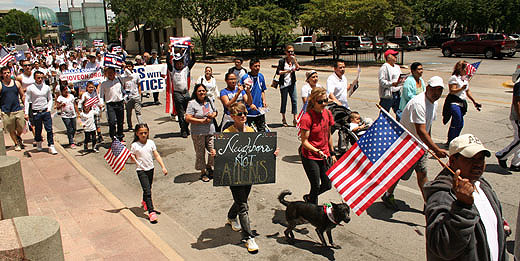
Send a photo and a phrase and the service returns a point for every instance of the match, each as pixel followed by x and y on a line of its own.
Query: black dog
pixel 299 212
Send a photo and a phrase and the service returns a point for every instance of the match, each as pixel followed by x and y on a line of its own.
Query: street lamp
pixel 39 23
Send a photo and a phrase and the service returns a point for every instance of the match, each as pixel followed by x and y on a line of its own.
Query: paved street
pixel 194 213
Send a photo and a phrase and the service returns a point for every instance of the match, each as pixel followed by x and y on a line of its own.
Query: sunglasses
pixel 240 114
pixel 290 51
pixel 27 65
pixel 322 101
pixel 201 91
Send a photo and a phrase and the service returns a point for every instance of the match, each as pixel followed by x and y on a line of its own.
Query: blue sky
pixel 25 5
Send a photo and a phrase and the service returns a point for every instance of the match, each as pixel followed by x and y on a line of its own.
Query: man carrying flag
pixel 417 118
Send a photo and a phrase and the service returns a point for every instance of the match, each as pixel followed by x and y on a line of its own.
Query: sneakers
pixel 514 168
pixel 73 146
pixel 17 148
pixel 389 201
pixel 251 245
pixel 234 224
pixel 153 217
pixel 95 149
pixel 502 163
pixel 39 146
pixel 52 150
pixel 144 205
pixel 20 142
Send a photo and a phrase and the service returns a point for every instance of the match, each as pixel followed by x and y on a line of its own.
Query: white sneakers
pixel 251 245
pixel 52 150
pixel 234 224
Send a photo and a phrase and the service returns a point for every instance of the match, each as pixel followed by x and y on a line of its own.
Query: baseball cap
pixel 309 74
pixel 154 51
pixel 390 51
pixel 468 146
pixel 138 57
pixel 436 81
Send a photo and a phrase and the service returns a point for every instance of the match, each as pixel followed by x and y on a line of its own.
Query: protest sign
pixel 152 77
pixel 80 77
pixel 97 43
pixel 245 158
pixel 113 60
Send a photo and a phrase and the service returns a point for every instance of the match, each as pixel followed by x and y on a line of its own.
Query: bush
pixel 221 43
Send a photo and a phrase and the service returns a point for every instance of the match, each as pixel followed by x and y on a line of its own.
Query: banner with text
pixel 152 77
pixel 245 158
pixel 80 77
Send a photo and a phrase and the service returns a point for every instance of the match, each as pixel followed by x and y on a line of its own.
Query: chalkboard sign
pixel 244 158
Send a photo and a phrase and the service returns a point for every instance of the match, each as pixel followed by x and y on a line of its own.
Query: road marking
pixel 147 232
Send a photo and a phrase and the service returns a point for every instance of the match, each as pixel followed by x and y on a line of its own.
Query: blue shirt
pixel 409 91
pixel 231 95
pixel 256 92
pixel 9 101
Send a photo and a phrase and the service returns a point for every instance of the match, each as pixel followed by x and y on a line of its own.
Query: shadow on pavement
pixel 279 218
pixel 216 237
pixel 311 246
pixel 495 168
pixel 138 211
pixel 295 159
pixel 274 125
pixel 168 135
pixel 187 177
pixel 510 247
pixel 380 212
pixel 164 119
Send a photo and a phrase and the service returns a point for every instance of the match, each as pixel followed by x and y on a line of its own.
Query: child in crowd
pixel 92 94
pixel 68 108
pixel 89 126
pixel 357 125
pixel 143 150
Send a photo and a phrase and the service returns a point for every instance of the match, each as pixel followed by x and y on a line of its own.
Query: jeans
pixel 291 91
pixel 146 179
pixel 259 122
pixel 133 104
pixel 240 208
pixel 70 124
pixel 315 170
pixel 90 136
pixel 181 103
pixel 43 119
pixel 115 115
pixel 457 122
pixel 392 103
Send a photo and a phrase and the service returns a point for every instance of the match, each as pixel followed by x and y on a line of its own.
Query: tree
pixel 268 22
pixel 206 15
pixel 130 12
pixel 16 21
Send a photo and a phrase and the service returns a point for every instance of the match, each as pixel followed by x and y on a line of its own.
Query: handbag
pixel 274 83
pixel 214 121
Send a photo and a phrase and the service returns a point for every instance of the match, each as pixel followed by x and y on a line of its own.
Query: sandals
pixel 284 123
pixel 307 198
pixel 204 177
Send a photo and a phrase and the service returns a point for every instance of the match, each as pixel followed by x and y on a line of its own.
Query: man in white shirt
pixel 133 89
pixel 337 85
pixel 92 63
pixel 417 118
pixel 111 92
pixel 389 83
pixel 39 95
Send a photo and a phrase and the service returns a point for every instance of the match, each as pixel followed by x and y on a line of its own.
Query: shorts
pixel 419 166
pixel 13 121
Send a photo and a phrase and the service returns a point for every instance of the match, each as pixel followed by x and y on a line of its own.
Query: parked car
pixel 382 43
pixel 354 43
pixel 406 42
pixel 304 44
pixel 490 45
pixel 437 40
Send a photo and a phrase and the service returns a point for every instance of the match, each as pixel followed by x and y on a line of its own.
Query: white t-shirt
pixel 339 87
pixel 88 120
pixel 67 111
pixel 488 218
pixel 180 79
pixel 388 74
pixel 211 85
pixel 307 89
pixel 144 154
pixel 419 110
pixel 287 76
pixel 131 86
pixel 459 81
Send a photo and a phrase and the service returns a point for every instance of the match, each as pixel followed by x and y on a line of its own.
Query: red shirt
pixel 319 125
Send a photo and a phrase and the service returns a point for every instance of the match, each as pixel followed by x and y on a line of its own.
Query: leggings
pixel 315 170
pixel 146 179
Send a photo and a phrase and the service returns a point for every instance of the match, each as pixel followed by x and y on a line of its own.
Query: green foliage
pixel 16 21
pixel 370 16
pixel 221 43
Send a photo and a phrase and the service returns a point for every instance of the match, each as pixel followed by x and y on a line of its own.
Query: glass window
pixel 307 39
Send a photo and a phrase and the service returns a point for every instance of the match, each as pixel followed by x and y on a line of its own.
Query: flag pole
pixel 420 142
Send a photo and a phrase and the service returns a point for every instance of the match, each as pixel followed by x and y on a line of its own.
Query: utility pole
pixel 106 21
pixel 39 23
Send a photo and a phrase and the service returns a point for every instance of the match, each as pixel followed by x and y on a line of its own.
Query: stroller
pixel 346 138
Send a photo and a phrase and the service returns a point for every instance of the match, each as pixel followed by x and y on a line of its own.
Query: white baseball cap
pixel 468 146
pixel 436 81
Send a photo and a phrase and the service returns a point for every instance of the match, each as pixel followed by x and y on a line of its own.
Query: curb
pixel 148 233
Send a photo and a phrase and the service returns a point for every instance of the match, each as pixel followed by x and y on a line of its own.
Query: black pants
pixel 240 208
pixel 259 122
pixel 315 170
pixel 155 97
pixel 90 136
pixel 115 115
pixel 146 179
pixel 181 100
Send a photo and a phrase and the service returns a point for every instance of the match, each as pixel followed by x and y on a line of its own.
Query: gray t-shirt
pixel 200 111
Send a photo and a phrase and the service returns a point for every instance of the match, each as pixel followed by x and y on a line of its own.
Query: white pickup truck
pixel 304 44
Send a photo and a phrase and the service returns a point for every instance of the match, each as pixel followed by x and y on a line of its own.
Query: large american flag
pixel 375 162
pixel 299 117
pixel 117 156
pixel 472 69
pixel 5 56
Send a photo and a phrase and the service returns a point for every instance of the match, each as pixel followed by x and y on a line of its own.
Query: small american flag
pixel 112 60
pixel 92 101
pixel 5 56
pixel 299 117
pixel 117 155
pixel 472 69
pixel 375 162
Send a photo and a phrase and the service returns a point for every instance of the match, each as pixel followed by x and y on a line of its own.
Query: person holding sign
pixel 201 113
pixel 390 83
pixel 317 147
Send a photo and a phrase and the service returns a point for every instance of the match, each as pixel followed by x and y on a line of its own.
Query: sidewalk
pixel 91 229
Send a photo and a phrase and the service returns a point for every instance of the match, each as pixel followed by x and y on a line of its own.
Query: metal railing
pixel 362 55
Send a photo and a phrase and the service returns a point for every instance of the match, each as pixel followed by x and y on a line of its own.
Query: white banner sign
pixel 152 77
pixel 83 75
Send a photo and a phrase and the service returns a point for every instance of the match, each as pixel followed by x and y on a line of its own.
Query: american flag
pixel 112 60
pixel 92 101
pixel 375 162
pixel 5 56
pixel 117 155
pixel 472 69
pixel 299 117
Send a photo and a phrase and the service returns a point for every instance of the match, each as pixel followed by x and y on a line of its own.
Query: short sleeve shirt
pixel 68 110
pixel 339 87
pixel 231 95
pixel 256 92
pixel 459 81
pixel 419 110
pixel 318 124
pixel 307 89
pixel 143 154
pixel 200 111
